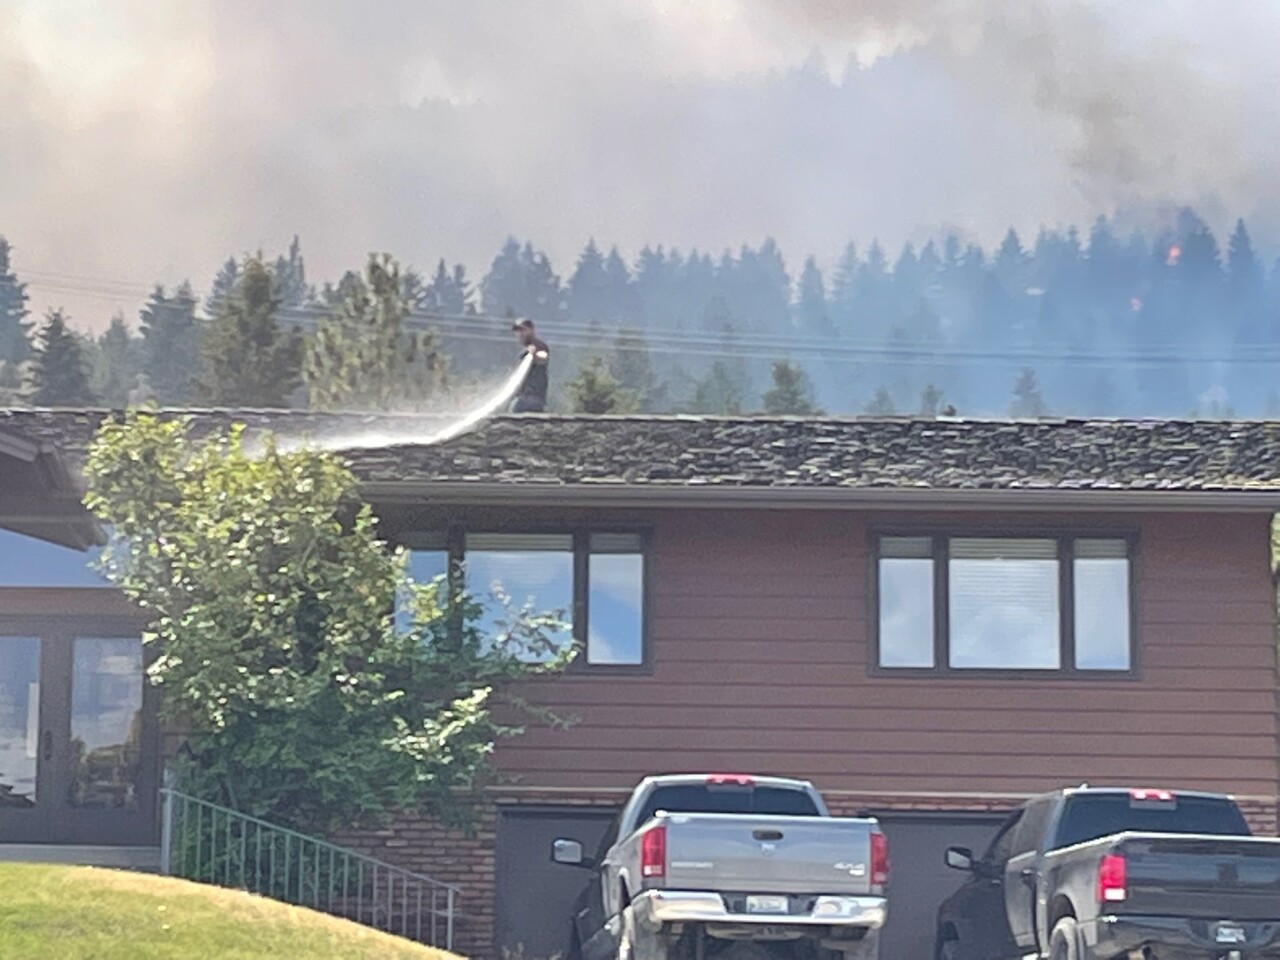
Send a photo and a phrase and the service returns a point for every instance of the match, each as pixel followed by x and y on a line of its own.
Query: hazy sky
pixel 145 140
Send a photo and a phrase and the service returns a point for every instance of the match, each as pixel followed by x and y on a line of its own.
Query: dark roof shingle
pixel 769 453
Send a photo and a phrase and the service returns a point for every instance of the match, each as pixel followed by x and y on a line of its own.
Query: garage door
pixel 919 880
pixel 535 896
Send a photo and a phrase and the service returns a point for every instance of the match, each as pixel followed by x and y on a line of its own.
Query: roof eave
pixel 623 495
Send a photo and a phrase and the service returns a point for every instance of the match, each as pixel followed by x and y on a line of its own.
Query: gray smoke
pixel 1140 110
pixel 144 140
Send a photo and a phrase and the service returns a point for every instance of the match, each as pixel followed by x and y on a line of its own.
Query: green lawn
pixel 78 913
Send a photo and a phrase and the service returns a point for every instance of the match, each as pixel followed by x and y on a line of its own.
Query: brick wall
pixel 421 844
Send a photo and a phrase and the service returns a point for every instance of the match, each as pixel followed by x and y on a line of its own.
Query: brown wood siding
pixel 760 643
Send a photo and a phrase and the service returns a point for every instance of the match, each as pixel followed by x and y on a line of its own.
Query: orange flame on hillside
pixel 1175 254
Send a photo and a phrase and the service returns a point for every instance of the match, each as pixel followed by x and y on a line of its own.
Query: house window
pixel 508 573
pixel 1002 602
pixel 428 557
pixel 428 562
pixel 1032 604
pixel 615 600
pixel 595 580
pixel 27 561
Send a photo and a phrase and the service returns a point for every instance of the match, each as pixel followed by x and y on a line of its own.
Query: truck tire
pixel 948 950
pixel 1064 941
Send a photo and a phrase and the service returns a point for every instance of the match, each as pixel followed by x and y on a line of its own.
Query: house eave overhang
pixel 637 496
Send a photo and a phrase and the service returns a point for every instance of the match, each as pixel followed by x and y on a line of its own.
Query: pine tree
pixel 363 357
pixel 171 344
pixel 1011 263
pixel 586 289
pixel 248 360
pixel 812 307
pixel 881 403
pixel 1246 290
pixel 58 375
pixel 522 280
pixel 223 285
pixel 15 329
pixel 791 393
pixel 631 367
pixel 1027 403
pixel 718 318
pixel 929 265
pixel 657 288
pixel 695 289
pixel 10 384
pixel 116 364
pixel 1105 266
pixel 291 277
pixel 621 303
pixel 844 287
pixel 595 391
pixel 449 293
pixel 951 251
pixel 761 295
pixel 721 391
pixel 930 401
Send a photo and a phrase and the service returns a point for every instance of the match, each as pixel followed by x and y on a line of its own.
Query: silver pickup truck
pixel 731 867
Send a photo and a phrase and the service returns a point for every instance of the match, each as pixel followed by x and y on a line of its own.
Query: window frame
pixel 939 555
pixel 455 540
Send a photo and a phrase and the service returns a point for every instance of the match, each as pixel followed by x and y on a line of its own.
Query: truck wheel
pixel 1064 942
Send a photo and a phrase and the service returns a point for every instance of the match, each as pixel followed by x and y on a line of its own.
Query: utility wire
pixel 745 345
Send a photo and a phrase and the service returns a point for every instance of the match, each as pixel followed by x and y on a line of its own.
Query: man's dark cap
pixel 524 323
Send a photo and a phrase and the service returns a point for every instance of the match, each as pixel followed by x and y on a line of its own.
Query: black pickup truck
pixel 1103 873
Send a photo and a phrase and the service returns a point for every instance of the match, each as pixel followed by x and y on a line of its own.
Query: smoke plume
pixel 145 141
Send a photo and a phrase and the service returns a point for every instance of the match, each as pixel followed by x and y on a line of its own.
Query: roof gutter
pixel 624 495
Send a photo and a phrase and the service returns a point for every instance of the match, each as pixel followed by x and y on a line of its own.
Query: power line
pixel 745 345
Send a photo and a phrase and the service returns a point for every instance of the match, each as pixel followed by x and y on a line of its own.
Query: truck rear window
pixel 729 798
pixel 1093 816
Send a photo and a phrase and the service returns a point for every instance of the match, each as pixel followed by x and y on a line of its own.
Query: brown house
pixel 929 618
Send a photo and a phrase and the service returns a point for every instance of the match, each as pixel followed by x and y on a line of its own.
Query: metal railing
pixel 208 843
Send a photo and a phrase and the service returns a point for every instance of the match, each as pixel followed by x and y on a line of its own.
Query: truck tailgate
pixel 1236 878
pixel 746 854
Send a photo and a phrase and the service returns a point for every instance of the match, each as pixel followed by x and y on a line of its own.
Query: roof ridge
pixel 297 413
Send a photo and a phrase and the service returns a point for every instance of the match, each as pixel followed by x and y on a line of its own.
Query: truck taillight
pixel 1111 879
pixel 879 859
pixel 730 780
pixel 653 852
pixel 1151 796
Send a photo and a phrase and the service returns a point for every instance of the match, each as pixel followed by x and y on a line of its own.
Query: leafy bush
pixel 270 598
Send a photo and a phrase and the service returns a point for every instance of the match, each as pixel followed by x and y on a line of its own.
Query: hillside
pixel 78 913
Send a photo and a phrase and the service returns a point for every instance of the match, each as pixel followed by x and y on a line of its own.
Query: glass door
pixel 79 740
pixel 24 754
pixel 107 775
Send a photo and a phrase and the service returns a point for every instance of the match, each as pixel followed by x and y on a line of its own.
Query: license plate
pixel 767 904
pixel 1229 933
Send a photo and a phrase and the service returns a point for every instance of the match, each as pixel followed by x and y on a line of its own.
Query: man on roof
pixel 532 397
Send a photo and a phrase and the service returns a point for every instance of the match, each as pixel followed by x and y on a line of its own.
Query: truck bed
pixel 1209 877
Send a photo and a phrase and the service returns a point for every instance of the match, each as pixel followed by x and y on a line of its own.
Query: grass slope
pixel 77 913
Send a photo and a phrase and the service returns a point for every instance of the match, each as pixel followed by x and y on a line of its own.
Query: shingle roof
pixel 864 454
